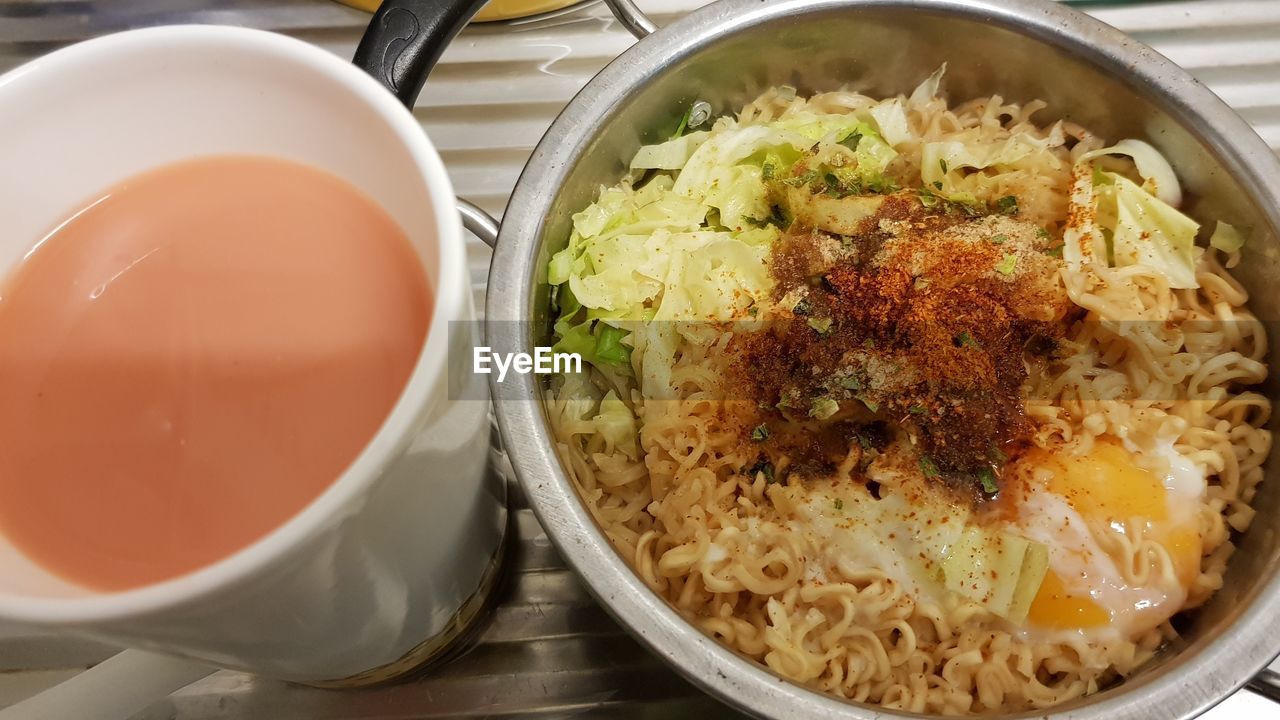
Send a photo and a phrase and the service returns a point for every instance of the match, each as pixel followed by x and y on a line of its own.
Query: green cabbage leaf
pixel 615 422
pixel 1116 222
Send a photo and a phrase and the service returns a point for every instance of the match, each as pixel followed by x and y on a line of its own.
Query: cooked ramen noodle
pixel 932 407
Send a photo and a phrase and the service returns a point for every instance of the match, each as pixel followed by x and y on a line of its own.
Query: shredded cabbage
pixel 693 244
pixel 657 344
pixel 696 272
pixel 581 397
pixel 940 161
pixel 639 254
pixel 1151 232
pixel 670 155
pixel 1158 177
pixel 837 215
pixel 873 154
pixel 1226 238
pixel 694 248
pixel 617 425
pixel 738 192
pixel 928 89
pixel 1117 222
pixel 622 211
pixel 598 343
pixel 717 276
pixel 891 120
pixel 727 149
pixel 1081 238
pixel 816 127
pixel 998 570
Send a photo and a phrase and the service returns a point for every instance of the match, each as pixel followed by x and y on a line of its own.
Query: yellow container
pixel 494 10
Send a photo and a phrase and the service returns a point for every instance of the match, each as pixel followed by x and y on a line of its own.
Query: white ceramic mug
pixel 385 567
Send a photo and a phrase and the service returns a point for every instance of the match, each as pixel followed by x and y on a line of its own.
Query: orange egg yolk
pixel 1055 608
pixel 1106 487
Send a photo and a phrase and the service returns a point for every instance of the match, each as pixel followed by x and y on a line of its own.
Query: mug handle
pixel 404 40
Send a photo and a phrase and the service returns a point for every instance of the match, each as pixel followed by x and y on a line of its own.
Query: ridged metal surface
pixel 548 649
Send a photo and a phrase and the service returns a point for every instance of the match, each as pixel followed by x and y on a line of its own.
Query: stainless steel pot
pixel 728 52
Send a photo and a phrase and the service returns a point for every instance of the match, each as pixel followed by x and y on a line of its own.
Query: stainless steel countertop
pixel 549 650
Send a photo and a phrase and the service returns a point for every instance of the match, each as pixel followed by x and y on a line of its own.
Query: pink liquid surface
pixel 193 358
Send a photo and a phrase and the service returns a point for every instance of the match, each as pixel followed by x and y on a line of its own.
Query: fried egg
pixel 1091 510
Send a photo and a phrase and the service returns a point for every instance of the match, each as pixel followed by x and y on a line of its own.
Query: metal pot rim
pixel 1186 685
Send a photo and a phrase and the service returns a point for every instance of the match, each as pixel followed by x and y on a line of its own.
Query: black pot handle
pixel 406 38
